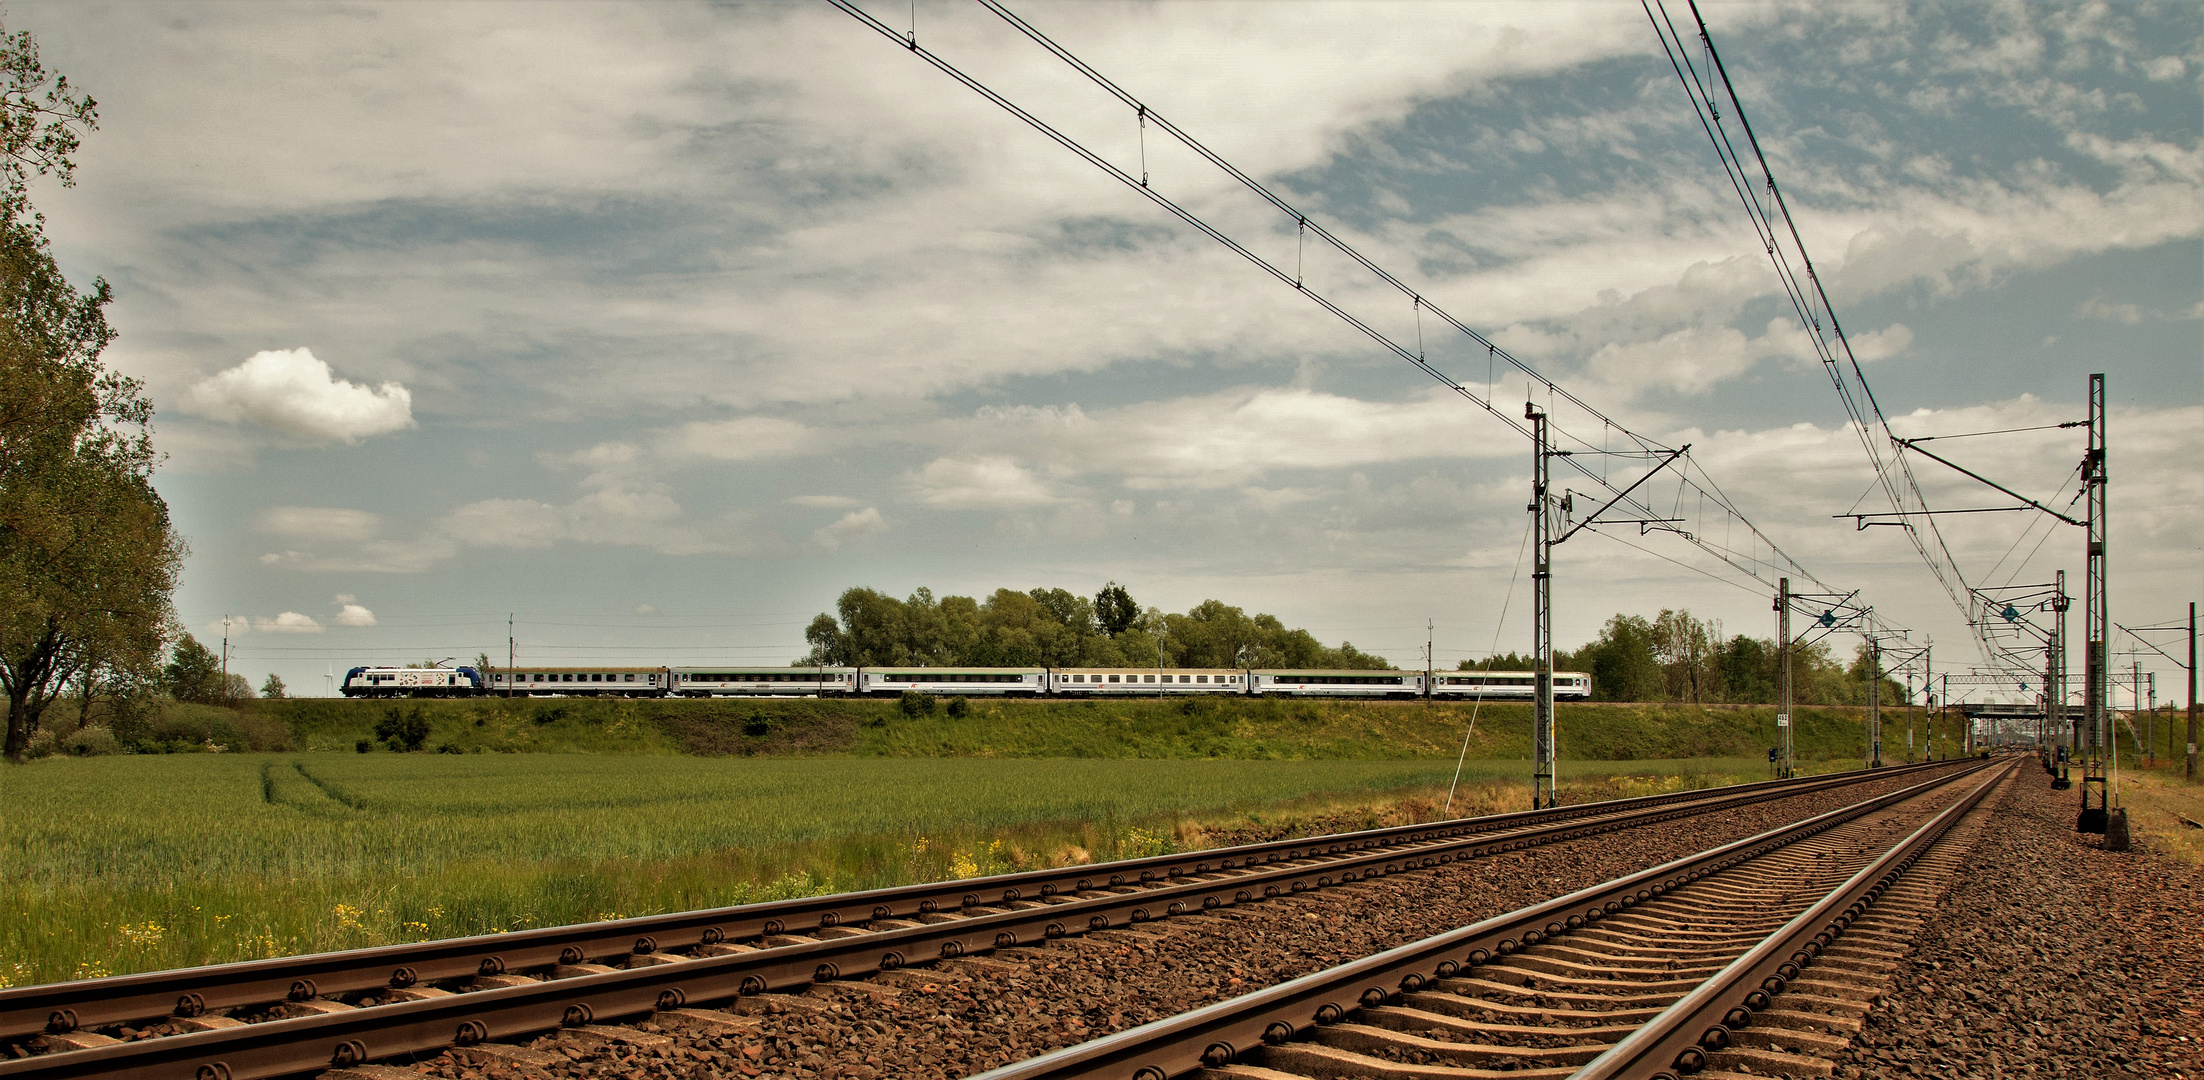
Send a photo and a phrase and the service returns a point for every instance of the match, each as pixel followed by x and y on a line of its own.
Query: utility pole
pixel 1542 631
pixel 2054 674
pixel 510 653
pixel 225 655
pixel 1783 677
pixel 1430 635
pixel 2095 624
pixel 2189 769
pixel 1874 701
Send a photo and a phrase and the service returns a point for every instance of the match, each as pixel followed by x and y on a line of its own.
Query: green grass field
pixel 131 863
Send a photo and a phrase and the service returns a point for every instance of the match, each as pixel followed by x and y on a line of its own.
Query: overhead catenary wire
pixel 1305 227
pixel 1809 299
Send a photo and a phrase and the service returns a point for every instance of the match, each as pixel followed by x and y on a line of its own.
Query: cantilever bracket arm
pixel 2153 646
pixel 1623 494
pixel 1913 445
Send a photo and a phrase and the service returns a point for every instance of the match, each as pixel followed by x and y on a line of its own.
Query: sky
pixel 655 326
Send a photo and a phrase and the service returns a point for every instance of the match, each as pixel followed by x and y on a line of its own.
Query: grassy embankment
pixel 1211 728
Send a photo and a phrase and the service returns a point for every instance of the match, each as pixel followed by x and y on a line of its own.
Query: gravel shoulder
pixel 2050 957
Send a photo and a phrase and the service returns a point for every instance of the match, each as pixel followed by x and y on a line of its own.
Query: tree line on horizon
pixel 1060 628
pixel 1671 657
pixel 1675 658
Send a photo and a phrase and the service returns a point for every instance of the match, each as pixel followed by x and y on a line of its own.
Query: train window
pixel 1201 678
pixel 1113 678
pixel 1147 678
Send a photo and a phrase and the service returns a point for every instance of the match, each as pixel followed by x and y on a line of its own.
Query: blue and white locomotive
pixel 413 682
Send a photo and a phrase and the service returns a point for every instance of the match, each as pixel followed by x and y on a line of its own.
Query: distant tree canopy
pixel 1676 658
pixel 1058 628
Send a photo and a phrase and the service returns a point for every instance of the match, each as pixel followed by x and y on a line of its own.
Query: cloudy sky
pixel 660 324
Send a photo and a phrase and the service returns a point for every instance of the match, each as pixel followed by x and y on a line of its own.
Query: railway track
pixel 1754 958
pixel 346 1008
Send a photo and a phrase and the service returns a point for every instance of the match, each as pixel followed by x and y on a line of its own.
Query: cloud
pixel 318 523
pixel 823 502
pixel 350 613
pixel 290 622
pixel 293 392
pixel 851 526
pixel 994 483
pixel 744 438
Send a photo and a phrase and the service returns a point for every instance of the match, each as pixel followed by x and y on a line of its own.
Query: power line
pixel 1809 300
pixel 1305 227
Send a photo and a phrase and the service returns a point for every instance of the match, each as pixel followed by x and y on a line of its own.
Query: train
pixel 1072 682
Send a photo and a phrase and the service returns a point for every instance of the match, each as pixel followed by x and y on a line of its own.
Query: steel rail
pixel 1679 1039
pixel 1213 1036
pixel 285 1047
pixel 95 1003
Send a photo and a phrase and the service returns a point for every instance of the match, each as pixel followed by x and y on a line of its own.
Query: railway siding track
pixel 1717 959
pixel 276 987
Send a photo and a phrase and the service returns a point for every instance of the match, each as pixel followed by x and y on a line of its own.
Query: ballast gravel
pixel 2049 957
pixel 965 1016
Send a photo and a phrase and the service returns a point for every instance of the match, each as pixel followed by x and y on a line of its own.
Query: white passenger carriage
pixel 1356 683
pixel 966 682
pixel 763 681
pixel 1129 682
pixel 1568 685
pixel 581 682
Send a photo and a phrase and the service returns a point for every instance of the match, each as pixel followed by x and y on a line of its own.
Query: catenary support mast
pixel 1783 724
pixel 1542 628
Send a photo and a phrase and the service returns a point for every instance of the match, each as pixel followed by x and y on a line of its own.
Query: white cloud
pixel 851 526
pixel 981 483
pixel 289 622
pixel 293 392
pixel 318 523
pixel 350 613
pixel 823 502
pixel 744 438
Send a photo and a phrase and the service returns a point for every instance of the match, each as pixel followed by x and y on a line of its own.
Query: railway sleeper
pixel 1302 1060
pixel 1476 1009
pixel 1411 1019
pixel 1391 1044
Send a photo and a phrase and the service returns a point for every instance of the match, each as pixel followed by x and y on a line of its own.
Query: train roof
pixel 881 668
pixel 524 668
pixel 1146 670
pixel 764 669
pixel 1336 671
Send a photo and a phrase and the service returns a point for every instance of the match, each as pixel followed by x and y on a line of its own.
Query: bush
pixel 959 706
pixel 916 703
pixel 184 728
pixel 364 746
pixel 403 730
pixel 90 741
pixel 43 743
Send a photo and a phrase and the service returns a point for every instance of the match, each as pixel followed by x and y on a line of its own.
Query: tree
pixel 1115 610
pixel 1621 662
pixel 88 561
pixel 273 689
pixel 194 673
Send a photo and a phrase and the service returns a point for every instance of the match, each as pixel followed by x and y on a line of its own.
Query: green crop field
pixel 133 863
